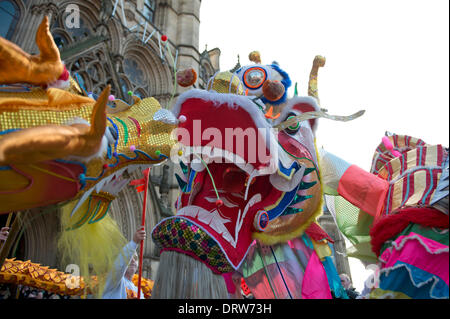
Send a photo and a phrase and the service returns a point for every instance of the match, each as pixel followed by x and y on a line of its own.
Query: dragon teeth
pixel 81 201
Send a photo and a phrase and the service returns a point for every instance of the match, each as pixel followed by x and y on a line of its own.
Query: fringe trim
pixel 418 285
pixel 182 277
pixel 413 237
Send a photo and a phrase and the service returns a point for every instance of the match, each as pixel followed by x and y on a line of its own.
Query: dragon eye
pixel 292 129
pixel 254 77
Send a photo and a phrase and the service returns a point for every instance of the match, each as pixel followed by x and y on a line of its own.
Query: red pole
pixel 141 252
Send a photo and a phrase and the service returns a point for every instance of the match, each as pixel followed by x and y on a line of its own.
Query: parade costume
pixel 245 209
pixel 398 218
pixel 249 209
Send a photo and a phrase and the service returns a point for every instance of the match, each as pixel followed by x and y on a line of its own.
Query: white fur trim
pixel 101 151
pixel 234 102
pixel 59 84
pixel 399 246
pixel 433 279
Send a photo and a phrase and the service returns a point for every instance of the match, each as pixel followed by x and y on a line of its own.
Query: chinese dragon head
pixel 247 173
pixel 56 143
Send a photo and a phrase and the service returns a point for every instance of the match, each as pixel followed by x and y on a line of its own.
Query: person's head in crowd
pixel 345 281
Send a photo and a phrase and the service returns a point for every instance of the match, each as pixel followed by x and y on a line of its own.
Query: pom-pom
pixel 130 93
pixel 114 154
pixel 387 143
pixel 105 166
pixel 182 118
pixel 132 148
pixel 186 77
pixel 111 97
pixel 219 203
pixel 65 75
pixel 164 38
pixel 273 90
pixel 158 152
pixel 254 56
pixel 180 152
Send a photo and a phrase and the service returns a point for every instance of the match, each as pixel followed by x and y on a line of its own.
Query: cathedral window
pixel 9 16
pixel 149 9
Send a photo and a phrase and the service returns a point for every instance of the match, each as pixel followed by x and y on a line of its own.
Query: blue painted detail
pixel 108 152
pixel 15 88
pixel 9 131
pixel 137 152
pixel 431 187
pixel 117 132
pixel 285 202
pixel 288 171
pixel 191 179
pixel 80 82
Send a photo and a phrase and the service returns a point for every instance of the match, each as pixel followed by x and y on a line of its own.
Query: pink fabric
pixel 363 189
pixel 315 282
pixel 229 282
pixel 413 252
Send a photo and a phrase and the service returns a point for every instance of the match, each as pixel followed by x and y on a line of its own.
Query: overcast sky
pixel 388 57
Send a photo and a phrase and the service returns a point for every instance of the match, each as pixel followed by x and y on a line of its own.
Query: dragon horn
pixel 91 140
pixel 44 41
pixel 319 61
pixel 98 117
pixel 17 66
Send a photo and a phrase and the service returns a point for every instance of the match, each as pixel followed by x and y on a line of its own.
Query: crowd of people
pixel 26 292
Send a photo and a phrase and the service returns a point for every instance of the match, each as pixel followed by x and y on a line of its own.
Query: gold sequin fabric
pixel 42 277
pixel 226 82
pixel 21 110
